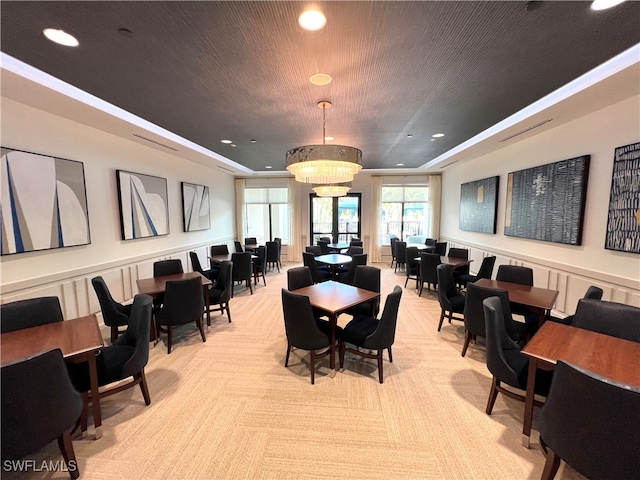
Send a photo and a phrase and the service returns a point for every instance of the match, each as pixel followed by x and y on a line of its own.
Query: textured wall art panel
pixel 195 207
pixel 43 202
pixel 547 202
pixel 623 224
pixel 479 205
pixel 144 207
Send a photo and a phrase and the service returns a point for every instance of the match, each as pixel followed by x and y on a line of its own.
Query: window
pixel 335 217
pixel 404 212
pixel 267 213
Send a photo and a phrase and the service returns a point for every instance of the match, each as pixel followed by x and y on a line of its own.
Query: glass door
pixel 335 217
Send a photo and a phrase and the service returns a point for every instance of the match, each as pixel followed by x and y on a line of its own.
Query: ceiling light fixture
pixel 320 79
pixel 324 164
pixel 336 190
pixel 61 37
pixel 438 135
pixel 312 20
pixel 604 4
pixel 226 141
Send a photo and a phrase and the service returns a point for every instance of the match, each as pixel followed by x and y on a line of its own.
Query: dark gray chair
pixel 242 269
pixel 278 240
pixel 319 276
pixel 324 246
pixel 592 423
pixel 167 267
pixel 412 268
pixel 368 278
pixel 273 257
pixel 459 253
pixel 505 361
pixel 373 334
pixel 315 249
pixel 220 293
pixel 401 254
pixel 29 313
pixel 431 242
pixel 611 318
pixel 485 271
pixel 238 246
pixel 522 276
pixel 299 277
pixel 428 271
pixel 39 405
pixel 348 276
pixel 183 303
pixel 440 248
pixel 392 242
pixel 211 274
pixel 250 241
pixel 219 250
pixel 260 265
pixel 592 292
pixel 450 299
pixel 114 314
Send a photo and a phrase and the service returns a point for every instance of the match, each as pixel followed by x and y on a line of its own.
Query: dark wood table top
pixel 73 337
pixel 334 259
pixel 451 261
pixel 611 357
pixel 335 297
pixel 155 285
pixel 524 294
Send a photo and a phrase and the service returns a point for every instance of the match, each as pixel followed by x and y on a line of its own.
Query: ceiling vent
pixel 153 141
pixel 445 166
pixel 527 130
pixel 230 171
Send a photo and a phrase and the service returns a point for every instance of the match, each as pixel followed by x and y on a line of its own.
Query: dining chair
pixel 451 300
pixel 260 265
pixel 485 271
pixel 463 269
pixel 238 246
pixel 299 277
pixel 242 269
pixel 318 275
pixel 428 274
pixel 505 361
pixel 430 242
pixel 523 276
pixel 39 404
pixel 592 292
pixel 250 241
pixel 591 422
pixel 29 313
pixel 162 268
pixel 272 255
pixel 219 250
pixel 610 318
pixel 392 242
pixel 304 330
pixel 183 303
pixel 114 314
pixel 315 249
pixel 401 254
pixel 211 274
pixel 440 248
pixel 412 269
pixel 368 278
pixel 278 240
pixel 220 292
pixel 348 276
pixel 373 334
pixel 324 246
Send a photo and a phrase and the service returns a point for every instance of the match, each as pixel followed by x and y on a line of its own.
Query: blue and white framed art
pixel 144 206
pixel 195 207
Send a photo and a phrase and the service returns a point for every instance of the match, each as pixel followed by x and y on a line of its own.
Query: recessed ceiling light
pixel 268 166
pixel 253 140
pixel 320 79
pixel 438 135
pixel 604 4
pixel 61 37
pixel 312 20
pixel 226 141
pixel 234 145
pixel 399 164
pixel 433 139
pixel 410 136
pixel 328 138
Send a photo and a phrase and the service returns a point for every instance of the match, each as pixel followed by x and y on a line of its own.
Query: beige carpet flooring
pixel 228 408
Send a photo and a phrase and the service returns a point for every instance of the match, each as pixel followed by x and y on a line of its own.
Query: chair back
pixel 324 246
pixel 356 260
pixel 610 318
pixel 325 239
pixel 446 287
pixel 272 251
pixel 594 293
pixel 369 278
pixel 591 422
pixel 112 312
pixel 401 252
pixel 299 323
pixel 486 268
pixel 137 335
pixel 219 250
pixel 384 334
pixel 355 242
pixel 183 302
pixel 224 282
pixel 515 274
pixel 195 262
pixel 299 277
pixel 430 242
pixel 39 403
pixel 393 241
pixel 242 269
pixel 474 320
pixel 278 240
pixel 309 260
pixel 354 250
pixel 238 246
pixel 440 248
pixel 459 253
pixel 315 249
pixel 500 345
pixel 167 267
pixel 411 253
pixel 261 262
pixel 29 313
pixel 250 241
pixel 428 264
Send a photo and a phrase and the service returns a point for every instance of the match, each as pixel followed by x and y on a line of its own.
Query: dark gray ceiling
pixel 240 70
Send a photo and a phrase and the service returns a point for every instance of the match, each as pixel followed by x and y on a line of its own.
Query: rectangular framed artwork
pixel 195 207
pixel 623 223
pixel 144 206
pixel 479 205
pixel 43 202
pixel 547 202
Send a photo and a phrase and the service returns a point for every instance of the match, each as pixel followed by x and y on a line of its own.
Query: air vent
pixel 230 171
pixel 445 166
pixel 153 141
pixel 527 130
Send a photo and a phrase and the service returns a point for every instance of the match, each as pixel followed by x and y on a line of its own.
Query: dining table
pixel 79 340
pixel 334 260
pixel 453 262
pixel 226 257
pixel 334 298
pixel 337 246
pixel 611 357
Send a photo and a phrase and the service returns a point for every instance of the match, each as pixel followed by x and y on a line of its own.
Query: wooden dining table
pixel 334 298
pixel 453 262
pixel 611 357
pixel 334 260
pixel 79 340
pixel 226 257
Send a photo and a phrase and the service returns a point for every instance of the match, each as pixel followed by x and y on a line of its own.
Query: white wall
pixel 65 272
pixel 570 269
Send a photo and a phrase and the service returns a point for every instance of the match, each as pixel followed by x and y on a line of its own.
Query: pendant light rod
pixel 324 104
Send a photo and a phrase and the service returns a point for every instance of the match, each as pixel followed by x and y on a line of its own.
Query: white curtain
pixel 376 203
pixel 435 196
pixel 295 227
pixel 240 209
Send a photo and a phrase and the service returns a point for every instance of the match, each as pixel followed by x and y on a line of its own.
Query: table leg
pixel 541 317
pixel 333 322
pixel 95 397
pixel 528 402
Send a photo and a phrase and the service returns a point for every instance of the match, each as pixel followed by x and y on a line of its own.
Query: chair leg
pixel 169 338
pixel 66 447
pixel 341 354
pixel 250 287
pixel 114 333
pixel 450 316
pixel 441 320
pixel 390 355
pixel 199 324
pixel 380 365
pixel 405 282
pixel 551 465
pixel 228 313
pixel 420 292
pixel 493 394
pixel 85 412
pixel 312 365
pixel 467 339
pixel 144 388
pixel 286 359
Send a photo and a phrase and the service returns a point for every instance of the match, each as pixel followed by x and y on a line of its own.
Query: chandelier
pixel 324 164
pixel 332 190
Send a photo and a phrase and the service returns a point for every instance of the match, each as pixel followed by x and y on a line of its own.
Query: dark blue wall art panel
pixel 547 202
pixel 479 205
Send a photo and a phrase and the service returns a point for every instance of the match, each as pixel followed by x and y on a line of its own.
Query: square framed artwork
pixel 547 202
pixel 43 202
pixel 623 221
pixel 479 205
pixel 144 206
pixel 195 207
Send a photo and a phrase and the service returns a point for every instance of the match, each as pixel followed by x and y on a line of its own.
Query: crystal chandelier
pixel 324 164
pixel 334 190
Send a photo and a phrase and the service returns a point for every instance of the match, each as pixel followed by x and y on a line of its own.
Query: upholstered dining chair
pixel 401 254
pixel 211 274
pixel 278 240
pixel 505 361
pixel 324 246
pixel 39 404
pixel 348 276
pixel 220 292
pixel 260 265
pixel 610 318
pixel 591 422
pixel 373 334
pixel 114 314
pixel 459 253
pixel 183 303
pixel 315 249
pixel 242 269
pixel 450 299
pixel 522 276
pixel 440 248
pixel 29 313
pixel 392 242
pixel 368 278
pixel 412 269
pixel 219 250
pixel 485 271
pixel 238 246
pixel 162 268
pixel 272 255
pixel 428 274
pixel 319 276
pixel 299 277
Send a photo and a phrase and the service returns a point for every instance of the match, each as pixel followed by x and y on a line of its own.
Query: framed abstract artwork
pixel 43 202
pixel 547 202
pixel 144 206
pixel 479 205
pixel 195 207
pixel 623 223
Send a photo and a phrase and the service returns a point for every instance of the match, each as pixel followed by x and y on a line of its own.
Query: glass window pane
pixel 348 220
pixel 392 194
pixel 390 221
pixel 413 219
pixel 322 216
pixel 280 222
pixel 258 222
pixel 256 195
pixel 416 194
pixel 278 195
